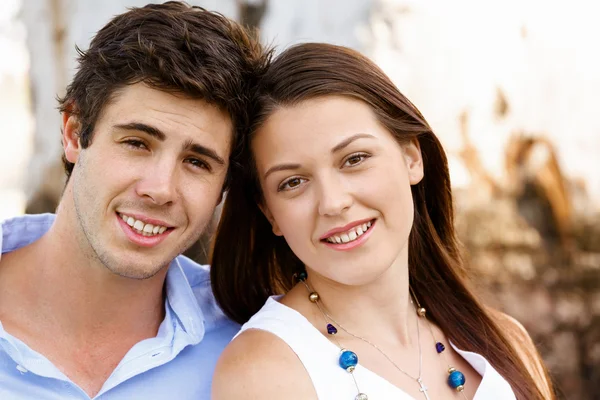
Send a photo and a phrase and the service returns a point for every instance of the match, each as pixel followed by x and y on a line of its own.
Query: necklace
pixel 348 360
pixel 456 379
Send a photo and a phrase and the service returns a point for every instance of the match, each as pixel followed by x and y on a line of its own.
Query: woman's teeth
pixel 350 235
pixel 142 228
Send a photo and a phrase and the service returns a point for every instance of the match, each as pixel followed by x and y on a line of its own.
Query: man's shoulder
pixel 22 230
pixel 27 220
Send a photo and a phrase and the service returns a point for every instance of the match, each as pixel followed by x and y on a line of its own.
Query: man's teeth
pixel 350 235
pixel 142 228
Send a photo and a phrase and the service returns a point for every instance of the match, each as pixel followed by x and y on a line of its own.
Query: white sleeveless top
pixel 320 359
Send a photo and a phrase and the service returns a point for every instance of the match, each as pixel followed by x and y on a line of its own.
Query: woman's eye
pixel 290 184
pixel 355 159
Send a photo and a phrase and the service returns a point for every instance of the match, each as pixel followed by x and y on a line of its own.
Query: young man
pixel 96 302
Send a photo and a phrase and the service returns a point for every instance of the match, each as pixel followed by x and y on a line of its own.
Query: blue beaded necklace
pixel 348 359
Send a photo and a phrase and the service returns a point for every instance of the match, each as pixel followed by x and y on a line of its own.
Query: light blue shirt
pixel 177 364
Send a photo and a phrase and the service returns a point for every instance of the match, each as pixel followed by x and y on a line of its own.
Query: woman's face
pixel 336 185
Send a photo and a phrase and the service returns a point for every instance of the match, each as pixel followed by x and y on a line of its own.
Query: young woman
pixel 341 220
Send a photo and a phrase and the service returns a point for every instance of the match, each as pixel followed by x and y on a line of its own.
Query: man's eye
pixel 136 144
pixel 197 163
pixel 290 184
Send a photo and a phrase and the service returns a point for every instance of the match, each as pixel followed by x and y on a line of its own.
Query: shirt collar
pixel 183 302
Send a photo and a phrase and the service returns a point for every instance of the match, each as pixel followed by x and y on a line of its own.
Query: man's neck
pixel 56 298
pixel 60 279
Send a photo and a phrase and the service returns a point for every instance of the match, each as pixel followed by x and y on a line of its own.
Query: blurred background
pixel 510 87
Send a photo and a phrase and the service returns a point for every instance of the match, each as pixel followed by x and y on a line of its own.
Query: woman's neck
pixel 381 308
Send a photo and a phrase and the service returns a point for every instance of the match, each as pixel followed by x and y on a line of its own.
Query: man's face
pixel 147 186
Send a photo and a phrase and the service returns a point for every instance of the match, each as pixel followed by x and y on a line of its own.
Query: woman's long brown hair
pixel 250 263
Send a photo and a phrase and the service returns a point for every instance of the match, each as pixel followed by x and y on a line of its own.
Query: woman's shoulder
pixel 525 347
pixel 511 326
pixel 259 365
pixel 515 332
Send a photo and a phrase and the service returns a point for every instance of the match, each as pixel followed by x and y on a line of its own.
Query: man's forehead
pixel 160 107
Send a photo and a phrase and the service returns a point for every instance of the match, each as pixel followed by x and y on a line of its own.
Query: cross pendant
pixel 423 388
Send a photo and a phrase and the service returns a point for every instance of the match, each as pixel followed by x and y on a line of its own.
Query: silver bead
pixel 313 297
pixel 361 396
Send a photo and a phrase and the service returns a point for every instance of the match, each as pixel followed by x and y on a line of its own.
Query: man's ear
pixel 265 210
pixel 70 136
pixel 414 161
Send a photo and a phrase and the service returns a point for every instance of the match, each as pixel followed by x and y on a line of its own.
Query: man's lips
pixel 143 226
pixel 145 219
pixel 148 236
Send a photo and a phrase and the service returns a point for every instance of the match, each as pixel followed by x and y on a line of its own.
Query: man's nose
pixel 159 183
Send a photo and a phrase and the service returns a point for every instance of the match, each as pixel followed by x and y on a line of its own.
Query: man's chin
pixel 137 274
pixel 135 270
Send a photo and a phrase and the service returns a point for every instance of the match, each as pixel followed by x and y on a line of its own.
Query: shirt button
pixel 21 369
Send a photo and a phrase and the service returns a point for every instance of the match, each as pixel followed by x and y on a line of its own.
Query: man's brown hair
pixel 172 47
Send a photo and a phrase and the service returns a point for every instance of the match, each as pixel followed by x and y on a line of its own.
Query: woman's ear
pixel 265 210
pixel 414 161
pixel 70 136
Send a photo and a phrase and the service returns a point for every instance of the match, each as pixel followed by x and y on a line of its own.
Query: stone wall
pixel 503 63
pixel 554 294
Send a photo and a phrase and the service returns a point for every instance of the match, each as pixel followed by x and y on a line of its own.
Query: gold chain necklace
pixel 348 360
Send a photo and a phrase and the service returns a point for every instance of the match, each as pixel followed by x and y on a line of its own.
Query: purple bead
pixel 331 329
pixel 440 347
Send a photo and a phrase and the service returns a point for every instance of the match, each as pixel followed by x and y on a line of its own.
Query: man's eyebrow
pixel 349 140
pixel 281 167
pixel 138 126
pixel 203 151
pixel 158 134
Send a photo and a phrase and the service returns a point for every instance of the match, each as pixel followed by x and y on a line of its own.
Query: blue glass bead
pixel 302 276
pixel 456 379
pixel 331 329
pixel 348 360
pixel 440 347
